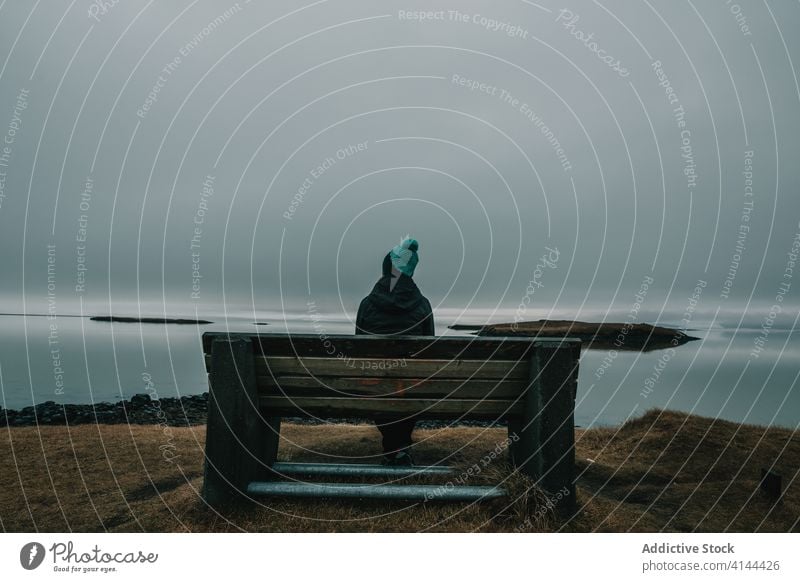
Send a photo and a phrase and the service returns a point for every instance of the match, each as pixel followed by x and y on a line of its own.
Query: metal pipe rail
pixel 367 491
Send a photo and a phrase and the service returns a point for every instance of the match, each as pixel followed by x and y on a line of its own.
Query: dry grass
pixel 664 471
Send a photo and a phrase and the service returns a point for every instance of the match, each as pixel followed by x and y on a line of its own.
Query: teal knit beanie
pixel 404 256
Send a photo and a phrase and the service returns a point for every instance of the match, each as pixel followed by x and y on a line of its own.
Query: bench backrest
pixel 442 377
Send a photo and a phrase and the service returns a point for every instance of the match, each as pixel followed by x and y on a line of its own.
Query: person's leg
pixel 396 433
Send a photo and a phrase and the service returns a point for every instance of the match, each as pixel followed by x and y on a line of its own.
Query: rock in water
pixel 619 336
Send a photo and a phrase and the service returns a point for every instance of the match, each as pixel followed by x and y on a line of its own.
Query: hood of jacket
pixel 405 297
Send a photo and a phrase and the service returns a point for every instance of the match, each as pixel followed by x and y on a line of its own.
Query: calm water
pixel 99 361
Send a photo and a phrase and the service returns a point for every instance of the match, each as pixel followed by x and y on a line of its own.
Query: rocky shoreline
pixel 141 409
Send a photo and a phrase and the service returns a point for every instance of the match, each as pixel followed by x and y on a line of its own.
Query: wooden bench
pixel 255 379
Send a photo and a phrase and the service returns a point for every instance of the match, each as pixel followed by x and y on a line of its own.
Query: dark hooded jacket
pixel 402 311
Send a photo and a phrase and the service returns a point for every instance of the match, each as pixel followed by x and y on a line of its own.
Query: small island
pixel 599 336
pixel 118 319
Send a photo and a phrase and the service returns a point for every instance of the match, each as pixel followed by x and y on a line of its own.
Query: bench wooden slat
pixel 419 407
pixel 408 387
pixel 386 367
pixel 375 346
pixel 394 368
pixel 389 368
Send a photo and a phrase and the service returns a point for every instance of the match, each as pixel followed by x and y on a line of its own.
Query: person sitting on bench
pixel 396 307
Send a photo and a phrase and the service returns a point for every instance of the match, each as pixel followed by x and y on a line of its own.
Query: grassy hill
pixel 664 471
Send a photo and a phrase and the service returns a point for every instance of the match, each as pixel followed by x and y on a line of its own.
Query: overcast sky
pixel 236 156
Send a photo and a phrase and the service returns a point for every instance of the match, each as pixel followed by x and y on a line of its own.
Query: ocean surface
pixel 74 360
